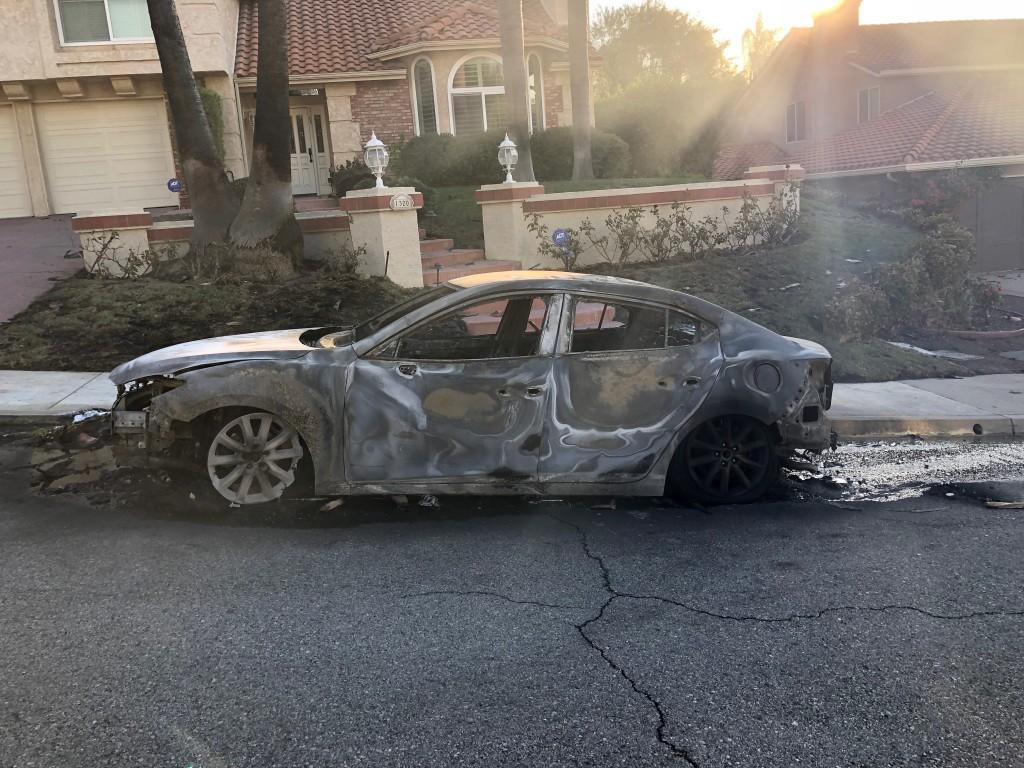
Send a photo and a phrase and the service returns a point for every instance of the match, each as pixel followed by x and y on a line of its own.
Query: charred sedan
pixel 509 382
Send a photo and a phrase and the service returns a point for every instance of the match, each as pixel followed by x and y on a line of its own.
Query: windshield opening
pixel 401 309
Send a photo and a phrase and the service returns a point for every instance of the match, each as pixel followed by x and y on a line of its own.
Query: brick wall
pixel 386 108
pixel 553 104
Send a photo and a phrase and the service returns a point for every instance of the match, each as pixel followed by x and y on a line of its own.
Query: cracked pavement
pixel 496 632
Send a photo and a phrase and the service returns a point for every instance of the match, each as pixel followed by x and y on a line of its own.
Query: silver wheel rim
pixel 252 459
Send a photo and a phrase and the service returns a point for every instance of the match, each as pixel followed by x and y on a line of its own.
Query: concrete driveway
pixel 32 251
pixel 505 632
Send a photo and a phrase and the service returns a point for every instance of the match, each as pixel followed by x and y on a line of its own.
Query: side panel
pixel 613 414
pixel 447 421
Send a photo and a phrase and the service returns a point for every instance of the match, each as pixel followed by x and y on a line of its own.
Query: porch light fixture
pixel 508 156
pixel 376 157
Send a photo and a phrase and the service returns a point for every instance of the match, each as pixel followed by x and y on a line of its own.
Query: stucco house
pixel 84 124
pixel 858 104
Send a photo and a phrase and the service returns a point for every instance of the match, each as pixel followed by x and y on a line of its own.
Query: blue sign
pixel 174 185
pixel 561 238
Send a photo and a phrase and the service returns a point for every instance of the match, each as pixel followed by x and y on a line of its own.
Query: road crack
pixel 485 593
pixel 825 611
pixel 676 749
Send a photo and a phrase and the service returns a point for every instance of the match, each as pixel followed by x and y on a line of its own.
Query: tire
pixel 252 458
pixel 726 460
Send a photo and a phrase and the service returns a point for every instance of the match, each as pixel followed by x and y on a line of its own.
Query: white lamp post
pixel 508 156
pixel 376 157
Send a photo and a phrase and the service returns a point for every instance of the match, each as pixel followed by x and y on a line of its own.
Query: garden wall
pixel 520 219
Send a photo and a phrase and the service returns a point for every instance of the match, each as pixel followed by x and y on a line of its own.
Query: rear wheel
pixel 726 460
pixel 252 458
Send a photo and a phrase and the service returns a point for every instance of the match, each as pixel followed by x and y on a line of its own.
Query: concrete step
pixel 452 257
pixel 438 244
pixel 438 276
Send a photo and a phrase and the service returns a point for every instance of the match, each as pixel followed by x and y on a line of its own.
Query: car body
pixel 511 382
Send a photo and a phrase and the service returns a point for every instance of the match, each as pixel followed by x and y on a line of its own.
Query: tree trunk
pixel 267 216
pixel 214 204
pixel 517 94
pixel 579 88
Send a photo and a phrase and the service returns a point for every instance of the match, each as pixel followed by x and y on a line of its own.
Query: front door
pixel 458 399
pixel 304 174
pixel 628 376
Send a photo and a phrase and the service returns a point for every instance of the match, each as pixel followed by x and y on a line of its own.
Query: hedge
pixel 449 161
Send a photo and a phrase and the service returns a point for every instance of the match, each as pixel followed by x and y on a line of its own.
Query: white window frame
pixel 483 91
pixel 540 91
pixel 860 118
pixel 415 101
pixel 796 123
pixel 110 30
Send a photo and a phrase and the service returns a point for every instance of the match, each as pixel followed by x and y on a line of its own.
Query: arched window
pixel 423 93
pixel 536 87
pixel 477 96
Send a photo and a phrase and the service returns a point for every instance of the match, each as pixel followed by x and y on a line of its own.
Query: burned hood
pixel 269 345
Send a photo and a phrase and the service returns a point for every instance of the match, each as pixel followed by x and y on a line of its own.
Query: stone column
pixel 787 179
pixel 505 232
pixel 346 142
pixel 384 222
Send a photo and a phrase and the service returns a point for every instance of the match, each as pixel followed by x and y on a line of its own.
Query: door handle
pixel 693 381
pixel 534 391
pixel 407 369
pixel 310 153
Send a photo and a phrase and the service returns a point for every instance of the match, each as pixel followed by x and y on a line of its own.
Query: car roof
pixel 579 279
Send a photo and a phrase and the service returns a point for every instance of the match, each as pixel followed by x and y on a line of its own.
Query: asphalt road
pixel 499 632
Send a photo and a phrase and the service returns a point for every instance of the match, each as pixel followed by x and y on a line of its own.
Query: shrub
pixel 671 127
pixel 450 161
pixel 553 155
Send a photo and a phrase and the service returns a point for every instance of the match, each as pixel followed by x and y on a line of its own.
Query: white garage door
pixel 106 155
pixel 14 200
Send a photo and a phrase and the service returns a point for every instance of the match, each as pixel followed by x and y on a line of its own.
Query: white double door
pixel 310 163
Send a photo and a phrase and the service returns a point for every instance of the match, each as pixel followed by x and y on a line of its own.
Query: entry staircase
pixel 442 261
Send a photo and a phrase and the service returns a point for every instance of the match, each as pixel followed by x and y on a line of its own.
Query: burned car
pixel 511 382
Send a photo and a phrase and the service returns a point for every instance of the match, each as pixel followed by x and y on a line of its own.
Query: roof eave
pixel 422 46
pixel 913 71
pixel 936 165
pixel 333 77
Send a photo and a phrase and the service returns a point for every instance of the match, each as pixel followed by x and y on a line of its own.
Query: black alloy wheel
pixel 728 460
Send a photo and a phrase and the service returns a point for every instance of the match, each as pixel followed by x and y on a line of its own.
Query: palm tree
pixel 214 203
pixel 517 95
pixel 579 88
pixel 758 45
pixel 267 216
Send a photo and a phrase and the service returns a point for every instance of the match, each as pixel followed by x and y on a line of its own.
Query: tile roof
pixel 984 119
pixel 329 36
pixel 940 44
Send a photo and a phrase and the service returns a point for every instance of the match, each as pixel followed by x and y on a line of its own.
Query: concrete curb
pixel 979 426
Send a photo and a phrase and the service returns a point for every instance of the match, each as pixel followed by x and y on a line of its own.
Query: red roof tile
pixel 328 36
pixel 940 44
pixel 985 119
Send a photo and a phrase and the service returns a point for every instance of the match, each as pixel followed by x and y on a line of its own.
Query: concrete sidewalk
pixel 47 397
pixel 983 405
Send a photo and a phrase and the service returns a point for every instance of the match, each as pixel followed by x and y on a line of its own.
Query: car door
pixel 460 397
pixel 626 376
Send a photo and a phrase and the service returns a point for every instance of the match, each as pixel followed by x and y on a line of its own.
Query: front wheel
pixel 252 458
pixel 726 460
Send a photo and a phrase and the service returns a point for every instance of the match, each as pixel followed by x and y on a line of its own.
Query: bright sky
pixel 731 17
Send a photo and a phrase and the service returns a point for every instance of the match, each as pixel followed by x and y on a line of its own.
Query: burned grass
pixel 86 324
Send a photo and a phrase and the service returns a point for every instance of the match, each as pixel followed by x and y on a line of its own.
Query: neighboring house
pixel 83 120
pixel 856 104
